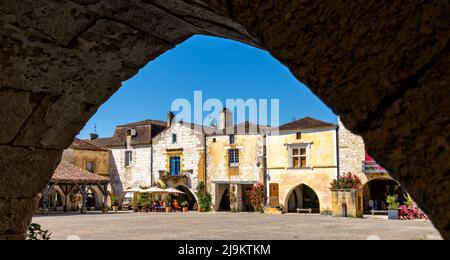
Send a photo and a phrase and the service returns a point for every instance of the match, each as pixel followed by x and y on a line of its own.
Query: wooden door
pixel 274 194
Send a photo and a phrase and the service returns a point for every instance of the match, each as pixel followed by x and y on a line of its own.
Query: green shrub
pixel 35 232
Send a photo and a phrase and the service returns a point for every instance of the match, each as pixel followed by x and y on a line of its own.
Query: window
pixel 232 141
pixel 174 138
pixel 299 157
pixel 299 135
pixel 233 157
pixel 214 140
pixel 90 166
pixel 128 158
pixel 175 166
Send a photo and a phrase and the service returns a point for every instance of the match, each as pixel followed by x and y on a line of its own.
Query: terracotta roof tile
pixel 70 173
pixel 86 145
pixel 306 123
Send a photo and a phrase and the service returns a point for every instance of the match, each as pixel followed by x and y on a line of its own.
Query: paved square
pixel 230 226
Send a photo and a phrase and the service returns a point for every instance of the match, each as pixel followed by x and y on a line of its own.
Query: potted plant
pixel 204 198
pixel 115 203
pixel 393 208
pixel 185 206
pixel 168 204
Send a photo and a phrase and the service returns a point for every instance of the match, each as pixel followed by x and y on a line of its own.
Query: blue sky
pixel 221 69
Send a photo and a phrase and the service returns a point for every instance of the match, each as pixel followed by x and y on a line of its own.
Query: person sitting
pixel 175 205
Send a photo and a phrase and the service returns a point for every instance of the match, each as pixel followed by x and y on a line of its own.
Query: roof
pixel 101 142
pixel 145 131
pixel 85 145
pixel 244 128
pixel 306 123
pixel 145 123
pixel 70 173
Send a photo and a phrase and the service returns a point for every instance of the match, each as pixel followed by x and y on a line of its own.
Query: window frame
pixel 92 164
pixel 175 161
pixel 306 156
pixel 232 139
pixel 128 158
pixel 233 158
pixel 174 138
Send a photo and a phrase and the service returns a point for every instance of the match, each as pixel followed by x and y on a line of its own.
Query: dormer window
pixel 131 132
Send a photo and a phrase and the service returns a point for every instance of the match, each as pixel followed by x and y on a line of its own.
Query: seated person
pixel 175 205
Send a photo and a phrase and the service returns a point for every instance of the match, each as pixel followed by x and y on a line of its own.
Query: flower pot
pixel 115 208
pixel 394 214
pixel 168 209
pixel 185 209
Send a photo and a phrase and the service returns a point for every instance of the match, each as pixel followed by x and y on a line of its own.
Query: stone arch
pixel 392 77
pixel 375 191
pixel 297 193
pixel 56 191
pixel 190 194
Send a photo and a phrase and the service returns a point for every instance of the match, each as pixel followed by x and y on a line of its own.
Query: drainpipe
pixel 151 163
pixel 337 153
pixel 265 179
pixel 205 163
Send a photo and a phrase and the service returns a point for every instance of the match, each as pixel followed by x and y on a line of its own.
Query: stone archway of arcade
pixel 382 66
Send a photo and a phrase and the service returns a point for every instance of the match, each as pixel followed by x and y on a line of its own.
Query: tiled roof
pixel 85 145
pixel 70 173
pixel 101 142
pixel 145 123
pixel 306 123
pixel 145 131
pixel 246 128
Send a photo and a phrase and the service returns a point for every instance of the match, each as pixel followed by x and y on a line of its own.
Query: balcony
pixel 183 176
pixel 372 167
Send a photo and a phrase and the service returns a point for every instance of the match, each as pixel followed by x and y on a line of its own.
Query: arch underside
pixel 382 66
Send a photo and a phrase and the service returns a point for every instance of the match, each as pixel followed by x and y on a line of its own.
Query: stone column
pixel 83 198
pixel 24 173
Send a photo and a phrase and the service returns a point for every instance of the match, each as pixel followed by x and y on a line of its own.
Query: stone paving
pixel 230 226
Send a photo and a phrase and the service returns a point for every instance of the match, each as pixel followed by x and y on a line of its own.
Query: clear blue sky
pixel 221 69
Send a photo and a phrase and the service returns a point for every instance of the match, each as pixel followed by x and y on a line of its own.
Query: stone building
pixel 301 163
pixel 377 183
pixel 235 162
pixel 179 158
pixel 88 156
pixel 81 181
pixel 131 154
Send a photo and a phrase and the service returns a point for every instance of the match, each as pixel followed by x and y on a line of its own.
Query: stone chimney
pixel 93 136
pixel 170 118
pixel 225 119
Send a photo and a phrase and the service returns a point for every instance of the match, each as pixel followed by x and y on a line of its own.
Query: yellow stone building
pixel 89 157
pixel 301 164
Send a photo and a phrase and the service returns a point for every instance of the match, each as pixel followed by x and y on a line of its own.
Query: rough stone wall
pixel 381 65
pixel 80 158
pixel 137 174
pixel 192 143
pixel 321 170
pixel 351 152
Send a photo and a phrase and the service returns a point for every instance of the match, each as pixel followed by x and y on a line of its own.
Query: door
pixel 274 194
pixel 175 166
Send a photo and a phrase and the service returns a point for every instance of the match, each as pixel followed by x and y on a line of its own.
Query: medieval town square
pixel 225 127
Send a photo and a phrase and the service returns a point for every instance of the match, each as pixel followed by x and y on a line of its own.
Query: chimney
pixel 93 136
pixel 170 118
pixel 225 119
